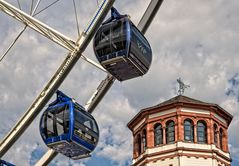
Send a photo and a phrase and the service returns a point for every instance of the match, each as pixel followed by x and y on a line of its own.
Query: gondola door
pixel 55 122
pixel 85 128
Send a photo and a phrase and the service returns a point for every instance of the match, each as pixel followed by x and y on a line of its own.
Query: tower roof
pixel 182 101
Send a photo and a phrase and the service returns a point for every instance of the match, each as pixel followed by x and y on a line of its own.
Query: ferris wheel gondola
pixel 67 128
pixel 121 48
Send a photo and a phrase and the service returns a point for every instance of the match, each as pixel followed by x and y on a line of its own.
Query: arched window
pixel 188 130
pixel 144 140
pixel 139 144
pixel 215 134
pixel 201 132
pixel 158 134
pixel 170 132
pixel 220 138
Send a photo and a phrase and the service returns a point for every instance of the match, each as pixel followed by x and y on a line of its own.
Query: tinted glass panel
pixel 140 40
pixel 118 36
pixel 140 46
pixel 85 120
pixel 102 43
pixel 56 122
pixel 49 122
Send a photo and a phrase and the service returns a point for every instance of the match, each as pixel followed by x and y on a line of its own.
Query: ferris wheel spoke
pixel 13 43
pixel 41 28
pixel 31 8
pixel 93 63
pixel 35 8
pixel 45 7
pixel 37 25
pixel 23 30
pixel 19 5
pixel 77 23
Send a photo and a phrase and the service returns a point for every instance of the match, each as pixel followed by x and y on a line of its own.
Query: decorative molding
pixel 198 111
pixel 162 113
pixel 180 152
pixel 220 118
pixel 139 124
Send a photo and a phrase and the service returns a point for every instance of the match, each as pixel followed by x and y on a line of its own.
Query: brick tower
pixel 181 132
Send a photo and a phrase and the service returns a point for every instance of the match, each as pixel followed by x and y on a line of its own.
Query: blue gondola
pixel 67 128
pixel 121 48
pixel 4 163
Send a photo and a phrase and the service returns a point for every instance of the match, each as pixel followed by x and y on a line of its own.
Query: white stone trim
pixel 139 124
pixel 184 160
pixel 162 113
pixel 198 111
pixel 220 118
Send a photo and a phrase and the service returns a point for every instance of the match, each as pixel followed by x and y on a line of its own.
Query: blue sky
pixel 194 40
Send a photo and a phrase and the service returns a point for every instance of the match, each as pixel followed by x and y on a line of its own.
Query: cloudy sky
pixel 192 39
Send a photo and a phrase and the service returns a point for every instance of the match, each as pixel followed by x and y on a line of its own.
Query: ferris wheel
pixel 115 53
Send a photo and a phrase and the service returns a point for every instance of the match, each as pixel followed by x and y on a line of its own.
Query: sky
pixel 194 40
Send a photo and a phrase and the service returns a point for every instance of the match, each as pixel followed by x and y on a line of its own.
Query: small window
pixel 158 134
pixel 221 138
pixel 144 140
pixel 188 130
pixel 139 144
pixel 170 132
pixel 215 134
pixel 201 132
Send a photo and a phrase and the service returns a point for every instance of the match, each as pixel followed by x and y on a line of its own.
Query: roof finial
pixel 182 86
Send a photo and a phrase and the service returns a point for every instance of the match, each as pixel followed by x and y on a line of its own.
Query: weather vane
pixel 182 86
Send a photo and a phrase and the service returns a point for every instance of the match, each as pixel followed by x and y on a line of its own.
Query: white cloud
pixel 115 138
pixel 194 40
pixel 234 151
